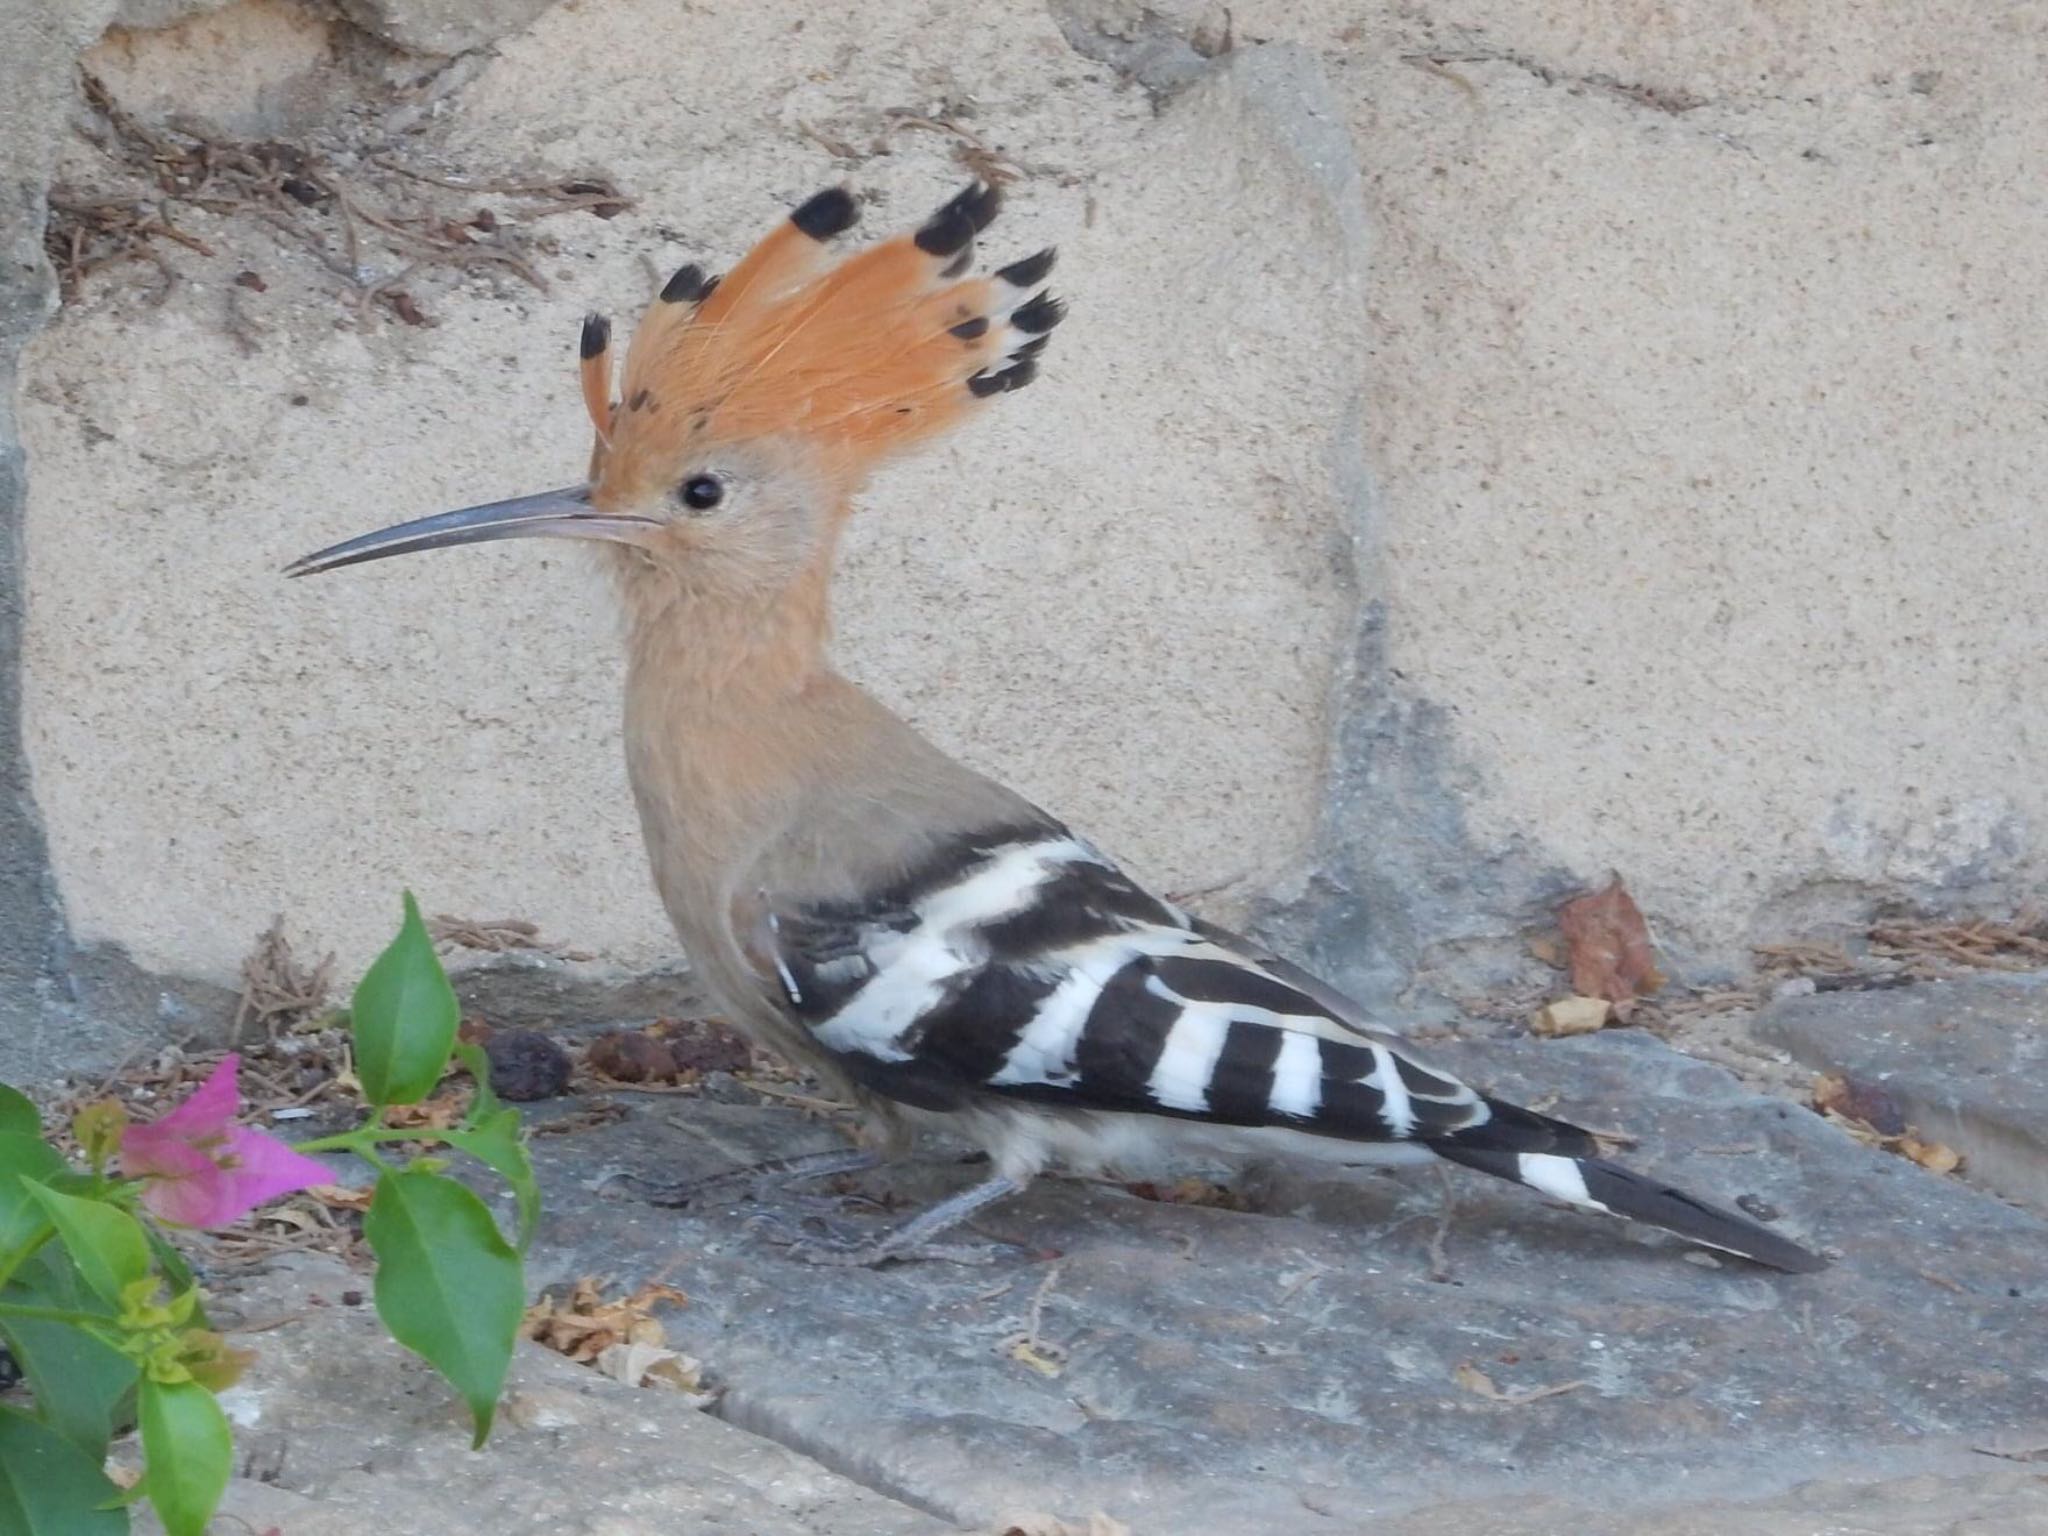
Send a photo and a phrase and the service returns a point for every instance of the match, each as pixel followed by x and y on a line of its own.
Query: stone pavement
pixel 1345 1352
pixel 1341 1357
pixel 340 1432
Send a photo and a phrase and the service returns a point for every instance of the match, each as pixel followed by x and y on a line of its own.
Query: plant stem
pixel 358 1141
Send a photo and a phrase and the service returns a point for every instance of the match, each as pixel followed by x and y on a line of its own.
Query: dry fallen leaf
pixel 1571 1016
pixel 1931 1155
pixel 651 1365
pixel 1870 1114
pixel 1609 947
pixel 1866 1104
pixel 1477 1382
pixel 584 1325
pixel 341 1198
pixel 440 1113
pixel 288 1216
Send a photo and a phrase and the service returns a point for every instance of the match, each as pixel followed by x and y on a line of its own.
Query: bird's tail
pixel 1591 1182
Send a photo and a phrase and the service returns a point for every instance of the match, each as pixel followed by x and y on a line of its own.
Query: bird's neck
pixel 721 649
pixel 731 707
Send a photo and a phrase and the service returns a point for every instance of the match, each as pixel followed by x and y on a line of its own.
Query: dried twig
pixel 1027 1346
pixel 497 935
pixel 1477 1382
pixel 1980 943
pixel 990 164
pixel 277 990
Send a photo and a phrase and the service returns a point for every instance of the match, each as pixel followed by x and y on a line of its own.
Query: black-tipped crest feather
pixel 953 227
pixel 688 286
pixel 1039 315
pixel 828 213
pixel 1029 272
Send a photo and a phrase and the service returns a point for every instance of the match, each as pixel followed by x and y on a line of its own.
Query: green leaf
pixel 82 1384
pixel 490 1133
pixel 188 1452
pixel 449 1287
pixel 497 1144
pixel 18 1116
pixel 106 1241
pixel 20 1216
pixel 484 1102
pixel 49 1487
pixel 404 1016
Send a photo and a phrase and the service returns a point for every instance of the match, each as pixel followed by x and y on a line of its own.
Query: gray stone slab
pixel 1965 1060
pixel 1972 1496
pixel 339 1431
pixel 1231 1372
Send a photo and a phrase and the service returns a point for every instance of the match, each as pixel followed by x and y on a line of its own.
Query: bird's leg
pixel 911 1239
pixel 755 1182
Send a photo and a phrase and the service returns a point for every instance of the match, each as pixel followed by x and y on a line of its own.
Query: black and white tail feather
pixel 1021 983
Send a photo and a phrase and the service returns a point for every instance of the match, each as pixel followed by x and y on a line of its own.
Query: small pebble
pixel 526 1065
pixel 1758 1207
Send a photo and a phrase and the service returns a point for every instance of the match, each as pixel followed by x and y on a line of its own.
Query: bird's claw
pixel 838 1246
pixel 759 1183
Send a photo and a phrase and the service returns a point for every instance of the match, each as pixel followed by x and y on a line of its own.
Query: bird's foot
pixel 910 1241
pixel 759 1182
pixel 841 1246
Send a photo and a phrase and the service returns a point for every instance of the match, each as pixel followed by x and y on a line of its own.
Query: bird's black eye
pixel 700 493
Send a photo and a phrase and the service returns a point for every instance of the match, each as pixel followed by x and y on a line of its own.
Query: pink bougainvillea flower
pixel 203 1171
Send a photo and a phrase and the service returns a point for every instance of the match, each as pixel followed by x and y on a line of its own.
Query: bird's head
pixel 751 408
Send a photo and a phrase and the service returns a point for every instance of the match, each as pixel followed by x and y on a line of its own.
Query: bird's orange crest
pixel 859 357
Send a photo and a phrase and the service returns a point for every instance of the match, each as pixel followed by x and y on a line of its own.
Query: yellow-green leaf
pixel 107 1243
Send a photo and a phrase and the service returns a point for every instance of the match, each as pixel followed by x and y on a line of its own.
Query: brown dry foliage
pixel 1608 947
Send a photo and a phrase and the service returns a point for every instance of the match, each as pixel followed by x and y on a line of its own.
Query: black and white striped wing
pixel 1024 965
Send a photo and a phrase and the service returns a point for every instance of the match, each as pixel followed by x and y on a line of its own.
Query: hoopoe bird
pixel 933 945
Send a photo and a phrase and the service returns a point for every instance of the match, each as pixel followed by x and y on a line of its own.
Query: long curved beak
pixel 563 514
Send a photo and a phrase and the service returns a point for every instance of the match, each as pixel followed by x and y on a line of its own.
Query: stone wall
pixel 1488 449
